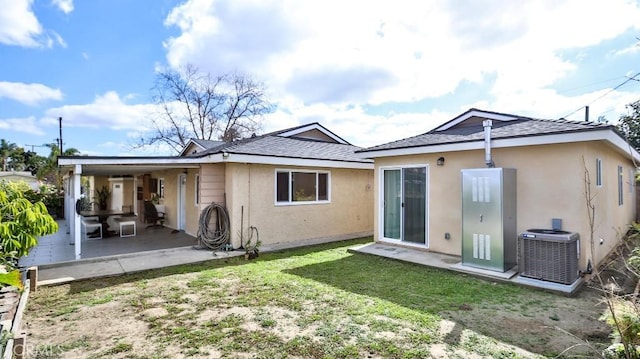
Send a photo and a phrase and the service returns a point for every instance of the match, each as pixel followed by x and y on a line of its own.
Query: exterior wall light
pixel 440 161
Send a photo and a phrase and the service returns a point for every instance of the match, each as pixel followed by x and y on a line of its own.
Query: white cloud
pixel 19 26
pixel 337 52
pixel 327 61
pixel 106 111
pixel 65 6
pixel 630 51
pixel 29 94
pixel 27 125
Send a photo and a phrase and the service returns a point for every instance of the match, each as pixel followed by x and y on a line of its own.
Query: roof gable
pixel 196 145
pixel 474 117
pixel 313 131
pixel 466 132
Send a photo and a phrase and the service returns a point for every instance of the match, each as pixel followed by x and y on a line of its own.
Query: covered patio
pixel 60 247
pixel 131 176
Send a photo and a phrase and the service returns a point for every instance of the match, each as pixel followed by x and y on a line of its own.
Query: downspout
pixel 487 144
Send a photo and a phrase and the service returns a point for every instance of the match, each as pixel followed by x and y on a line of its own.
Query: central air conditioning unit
pixel 549 255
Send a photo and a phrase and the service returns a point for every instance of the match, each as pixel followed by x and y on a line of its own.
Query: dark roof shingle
pixel 522 127
pixel 272 144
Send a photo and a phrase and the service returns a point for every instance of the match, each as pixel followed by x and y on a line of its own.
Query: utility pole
pixel 60 126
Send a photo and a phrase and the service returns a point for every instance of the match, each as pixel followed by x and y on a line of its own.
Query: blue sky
pixel 371 71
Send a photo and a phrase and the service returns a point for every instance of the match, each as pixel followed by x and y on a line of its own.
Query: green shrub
pixel 21 222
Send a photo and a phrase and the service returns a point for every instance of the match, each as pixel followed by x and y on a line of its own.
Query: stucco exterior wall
pixel 251 202
pixel 171 192
pixel 192 208
pixel 550 184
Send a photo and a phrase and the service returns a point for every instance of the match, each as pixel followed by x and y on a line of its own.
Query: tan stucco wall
pixel 170 199
pixel 251 198
pixel 550 184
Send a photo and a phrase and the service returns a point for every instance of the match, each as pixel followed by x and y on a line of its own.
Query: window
pixel 197 196
pixel 598 172
pixel 302 186
pixel 620 200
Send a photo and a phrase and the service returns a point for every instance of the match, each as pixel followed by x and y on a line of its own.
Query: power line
pixel 632 78
pixel 568 90
pixel 33 146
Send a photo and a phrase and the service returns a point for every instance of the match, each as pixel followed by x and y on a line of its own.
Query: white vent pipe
pixel 487 143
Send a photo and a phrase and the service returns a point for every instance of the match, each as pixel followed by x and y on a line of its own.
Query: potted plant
pixel 103 196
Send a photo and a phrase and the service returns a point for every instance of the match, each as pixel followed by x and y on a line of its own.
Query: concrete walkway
pixel 64 272
pixel 119 264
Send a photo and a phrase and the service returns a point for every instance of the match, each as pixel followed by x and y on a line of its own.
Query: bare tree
pixel 196 105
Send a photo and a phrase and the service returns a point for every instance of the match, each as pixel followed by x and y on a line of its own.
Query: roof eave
pixel 599 134
pixel 232 157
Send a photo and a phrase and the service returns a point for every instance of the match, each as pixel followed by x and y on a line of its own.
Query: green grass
pixel 313 302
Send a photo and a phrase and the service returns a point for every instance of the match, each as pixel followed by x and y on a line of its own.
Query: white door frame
pixel 381 206
pixel 181 201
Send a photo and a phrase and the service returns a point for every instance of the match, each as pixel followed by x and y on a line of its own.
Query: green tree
pixel 629 124
pixel 49 168
pixel 6 150
pixel 21 221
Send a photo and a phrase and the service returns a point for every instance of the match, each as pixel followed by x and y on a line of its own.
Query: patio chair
pixel 93 224
pixel 151 215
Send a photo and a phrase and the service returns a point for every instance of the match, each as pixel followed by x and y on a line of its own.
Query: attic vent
pixel 549 255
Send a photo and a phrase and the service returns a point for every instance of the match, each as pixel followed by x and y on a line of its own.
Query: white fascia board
pixel 603 135
pixel 127 161
pixel 285 161
pixel 477 113
pixel 313 126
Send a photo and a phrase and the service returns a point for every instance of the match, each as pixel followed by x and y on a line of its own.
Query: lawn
pixel 314 302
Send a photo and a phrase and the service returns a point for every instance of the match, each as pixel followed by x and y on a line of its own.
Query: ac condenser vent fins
pixel 549 255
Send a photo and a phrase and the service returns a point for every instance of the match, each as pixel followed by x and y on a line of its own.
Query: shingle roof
pixel 207 143
pixel 272 144
pixel 520 127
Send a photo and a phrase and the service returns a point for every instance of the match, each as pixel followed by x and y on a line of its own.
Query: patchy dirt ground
pixel 130 320
pixel 560 323
pixel 184 315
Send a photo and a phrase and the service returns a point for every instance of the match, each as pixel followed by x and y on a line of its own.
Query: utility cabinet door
pixel 482 227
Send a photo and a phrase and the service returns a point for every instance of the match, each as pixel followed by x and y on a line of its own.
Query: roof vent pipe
pixel 487 143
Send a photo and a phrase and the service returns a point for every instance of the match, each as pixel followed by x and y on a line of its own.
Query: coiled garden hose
pixel 217 237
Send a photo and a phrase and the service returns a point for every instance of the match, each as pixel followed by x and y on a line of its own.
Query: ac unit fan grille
pixel 555 261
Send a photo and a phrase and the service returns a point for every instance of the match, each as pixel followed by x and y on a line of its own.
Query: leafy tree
pixel 14 158
pixel 21 221
pixel 49 169
pixel 197 105
pixel 6 150
pixel 629 124
pixel 21 160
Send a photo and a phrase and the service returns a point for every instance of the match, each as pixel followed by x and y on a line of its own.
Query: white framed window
pixel 620 190
pixel 598 172
pixel 197 190
pixel 302 187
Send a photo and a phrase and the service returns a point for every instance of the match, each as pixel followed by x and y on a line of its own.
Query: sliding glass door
pixel 404 207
